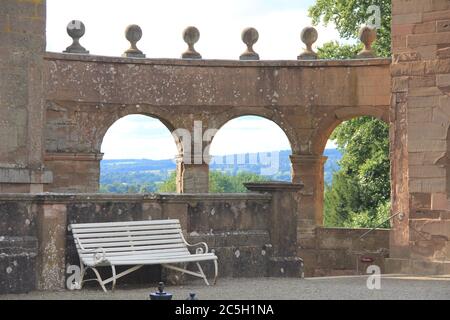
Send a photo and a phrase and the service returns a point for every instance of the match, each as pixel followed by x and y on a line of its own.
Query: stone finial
pixel 250 36
pixel 309 36
pixel 367 36
pixel 133 33
pixel 191 35
pixel 76 30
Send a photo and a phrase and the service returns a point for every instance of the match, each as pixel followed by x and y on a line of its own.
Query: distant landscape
pixel 144 175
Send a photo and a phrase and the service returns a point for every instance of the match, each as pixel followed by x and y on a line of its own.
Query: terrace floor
pixel 336 288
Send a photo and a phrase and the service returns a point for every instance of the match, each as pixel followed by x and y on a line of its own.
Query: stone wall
pixel 340 251
pixel 420 119
pixel 253 234
pixel 36 246
pixel 86 94
pixel 18 246
pixel 22 46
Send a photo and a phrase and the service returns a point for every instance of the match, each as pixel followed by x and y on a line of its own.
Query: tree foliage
pixel 349 15
pixel 360 191
pixel 335 50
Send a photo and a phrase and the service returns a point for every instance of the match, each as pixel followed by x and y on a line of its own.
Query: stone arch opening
pixel 248 148
pixel 357 186
pixel 138 155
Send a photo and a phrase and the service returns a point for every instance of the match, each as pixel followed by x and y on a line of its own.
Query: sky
pixel 279 23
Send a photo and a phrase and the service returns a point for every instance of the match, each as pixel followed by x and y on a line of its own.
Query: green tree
pixel 349 15
pixel 335 50
pixel 170 185
pixel 362 184
pixel 360 191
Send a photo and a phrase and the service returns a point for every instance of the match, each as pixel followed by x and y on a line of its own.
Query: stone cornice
pixel 53 56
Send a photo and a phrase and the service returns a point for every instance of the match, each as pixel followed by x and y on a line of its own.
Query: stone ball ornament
pixel 133 33
pixel 367 36
pixel 76 30
pixel 249 36
pixel 191 35
pixel 309 36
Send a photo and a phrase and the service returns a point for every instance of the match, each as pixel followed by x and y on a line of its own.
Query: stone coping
pixel 273 186
pixel 219 63
pixel 160 197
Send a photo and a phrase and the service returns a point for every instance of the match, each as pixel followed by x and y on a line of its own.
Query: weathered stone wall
pixel 22 46
pixel 235 226
pixel 420 120
pixel 340 251
pixel 253 234
pixel 86 94
pixel 18 246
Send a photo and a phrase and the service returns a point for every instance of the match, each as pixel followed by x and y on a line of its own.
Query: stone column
pixel 308 169
pixel 283 226
pixel 74 172
pixel 22 45
pixel 192 177
pixel 52 223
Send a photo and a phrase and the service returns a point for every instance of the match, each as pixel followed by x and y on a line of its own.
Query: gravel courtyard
pixel 392 287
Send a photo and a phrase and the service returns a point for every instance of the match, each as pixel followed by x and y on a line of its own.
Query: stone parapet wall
pixel 340 251
pixel 36 243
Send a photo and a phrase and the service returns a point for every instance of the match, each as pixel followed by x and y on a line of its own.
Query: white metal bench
pixel 136 243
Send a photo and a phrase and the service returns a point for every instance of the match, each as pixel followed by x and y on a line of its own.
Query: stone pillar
pixel 52 229
pixel 283 226
pixel 192 177
pixel 22 45
pixel 308 169
pixel 74 172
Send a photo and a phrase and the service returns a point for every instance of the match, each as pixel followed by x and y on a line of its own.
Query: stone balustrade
pixel 191 35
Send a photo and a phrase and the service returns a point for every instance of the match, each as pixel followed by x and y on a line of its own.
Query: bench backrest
pixel 159 237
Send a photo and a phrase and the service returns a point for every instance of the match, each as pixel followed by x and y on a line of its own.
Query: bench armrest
pixel 98 256
pixel 198 250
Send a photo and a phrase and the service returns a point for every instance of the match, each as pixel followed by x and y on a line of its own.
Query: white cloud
pixel 249 135
pixel 138 137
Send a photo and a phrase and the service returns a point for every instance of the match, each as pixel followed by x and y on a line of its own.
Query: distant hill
pixel 153 172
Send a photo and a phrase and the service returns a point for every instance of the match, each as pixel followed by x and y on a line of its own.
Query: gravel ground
pixel 336 288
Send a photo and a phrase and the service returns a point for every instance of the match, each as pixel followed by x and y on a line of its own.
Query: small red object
pixel 367 259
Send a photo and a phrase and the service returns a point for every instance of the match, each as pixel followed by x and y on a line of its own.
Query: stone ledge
pixel 23 176
pixel 64 156
pixel 163 197
pixel 221 63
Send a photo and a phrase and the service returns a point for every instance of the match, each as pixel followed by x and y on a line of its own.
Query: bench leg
pixel 99 279
pixel 82 273
pixel 202 273
pixel 113 269
pixel 216 272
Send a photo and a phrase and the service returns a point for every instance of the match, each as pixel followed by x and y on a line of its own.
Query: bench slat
pixel 129 238
pixel 144 261
pixel 124 228
pixel 126 233
pixel 123 223
pixel 131 244
pixel 140 248
pixel 152 253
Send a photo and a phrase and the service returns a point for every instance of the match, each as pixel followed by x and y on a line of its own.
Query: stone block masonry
pixel 420 126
